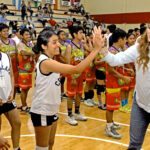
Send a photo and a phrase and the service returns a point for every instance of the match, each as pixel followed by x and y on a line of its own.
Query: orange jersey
pixel 26 64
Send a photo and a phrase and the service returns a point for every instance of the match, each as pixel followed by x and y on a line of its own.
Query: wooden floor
pixel 86 136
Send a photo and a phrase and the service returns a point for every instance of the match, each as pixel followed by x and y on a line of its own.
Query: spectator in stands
pixel 5 9
pixel 45 9
pixel 23 26
pixel 24 11
pixel 50 11
pixel 52 22
pixel 69 20
pixel 39 9
pixel 3 18
pixel 31 28
pixel 41 19
pixel 29 8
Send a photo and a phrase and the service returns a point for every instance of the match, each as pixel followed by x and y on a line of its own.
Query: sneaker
pixel 80 117
pixel 94 102
pixel 82 99
pixel 64 95
pixel 116 126
pixel 88 103
pixel 26 110
pixel 71 120
pixel 112 133
pixel 102 107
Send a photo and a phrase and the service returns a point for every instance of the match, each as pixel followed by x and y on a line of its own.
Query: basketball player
pixel 47 93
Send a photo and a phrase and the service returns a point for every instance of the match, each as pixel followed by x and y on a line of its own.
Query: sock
pixel 100 101
pixel 109 125
pixel 91 94
pixel 123 102
pixel 69 111
pixel 77 109
pixel 86 95
pixel 41 148
pixel 16 148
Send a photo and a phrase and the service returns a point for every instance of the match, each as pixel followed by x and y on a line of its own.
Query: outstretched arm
pixel 121 58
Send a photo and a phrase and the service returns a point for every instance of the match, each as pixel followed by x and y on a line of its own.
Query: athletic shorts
pixel 77 89
pixel 7 107
pixel 25 80
pixel 43 120
pixel 100 75
pixel 113 98
pixel 90 74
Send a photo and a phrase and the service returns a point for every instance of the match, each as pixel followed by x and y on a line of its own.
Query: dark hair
pixel 59 32
pixel 136 29
pixel 142 30
pixel 42 39
pixel 130 31
pixel 75 29
pixel 142 25
pixel 111 28
pixel 3 26
pixel 118 34
pixel 129 34
pixel 24 30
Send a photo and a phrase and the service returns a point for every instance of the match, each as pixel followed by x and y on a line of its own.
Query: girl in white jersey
pixel 47 93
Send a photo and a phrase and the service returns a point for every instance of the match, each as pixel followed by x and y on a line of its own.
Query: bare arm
pixel 121 58
pixel 54 66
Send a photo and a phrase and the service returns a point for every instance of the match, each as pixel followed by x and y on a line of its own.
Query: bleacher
pixel 58 16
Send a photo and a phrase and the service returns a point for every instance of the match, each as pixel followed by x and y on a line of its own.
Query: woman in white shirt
pixel 47 93
pixel 140 115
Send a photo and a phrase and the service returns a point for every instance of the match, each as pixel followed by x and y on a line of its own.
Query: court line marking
pixel 80 137
pixel 102 120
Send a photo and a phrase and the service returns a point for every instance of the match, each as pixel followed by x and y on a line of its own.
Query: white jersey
pixel 47 91
pixel 5 79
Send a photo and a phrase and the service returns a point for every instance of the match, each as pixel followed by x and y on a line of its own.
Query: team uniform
pixel 113 86
pixel 76 57
pixel 90 72
pixel 47 96
pixel 26 66
pixel 101 69
pixel 5 83
pixel 10 49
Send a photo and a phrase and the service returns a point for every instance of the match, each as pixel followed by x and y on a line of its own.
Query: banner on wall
pixel 66 2
pixel 52 2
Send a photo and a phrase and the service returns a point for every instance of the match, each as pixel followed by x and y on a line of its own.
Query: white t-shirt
pixel 5 79
pixel 47 91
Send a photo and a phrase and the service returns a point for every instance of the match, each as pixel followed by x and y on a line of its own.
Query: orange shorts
pixel 113 98
pixel 90 74
pixel 25 80
pixel 77 89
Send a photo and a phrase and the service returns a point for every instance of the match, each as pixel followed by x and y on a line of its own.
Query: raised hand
pixel 98 40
